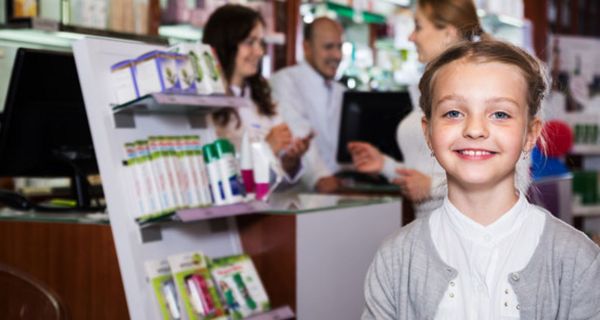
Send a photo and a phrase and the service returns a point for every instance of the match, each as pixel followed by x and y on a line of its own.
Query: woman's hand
pixel 414 184
pixel 279 138
pixel 365 157
pixel 290 158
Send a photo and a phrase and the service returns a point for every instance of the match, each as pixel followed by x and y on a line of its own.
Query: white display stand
pixel 134 246
pixel 333 248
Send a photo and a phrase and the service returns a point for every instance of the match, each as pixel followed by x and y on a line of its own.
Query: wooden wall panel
pixel 78 261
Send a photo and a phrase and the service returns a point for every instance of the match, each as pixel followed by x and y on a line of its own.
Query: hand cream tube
pixel 260 161
pixel 246 163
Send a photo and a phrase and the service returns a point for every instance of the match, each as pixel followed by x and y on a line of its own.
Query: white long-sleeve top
pixel 483 257
pixel 308 102
pixel 417 156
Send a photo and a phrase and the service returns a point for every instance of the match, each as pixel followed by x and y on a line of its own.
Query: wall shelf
pixel 50 25
pixel 586 149
pixel 163 103
pixel 205 213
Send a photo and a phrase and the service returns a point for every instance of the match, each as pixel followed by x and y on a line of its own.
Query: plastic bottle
pixel 229 171
pixel 214 178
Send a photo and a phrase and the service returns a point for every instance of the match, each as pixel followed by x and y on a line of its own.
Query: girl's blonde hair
pixel 483 51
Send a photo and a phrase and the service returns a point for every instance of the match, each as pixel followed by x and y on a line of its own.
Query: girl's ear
pixel 533 133
pixel 426 131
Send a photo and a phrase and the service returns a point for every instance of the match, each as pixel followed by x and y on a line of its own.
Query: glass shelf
pixel 157 103
pixel 281 313
pixel 284 203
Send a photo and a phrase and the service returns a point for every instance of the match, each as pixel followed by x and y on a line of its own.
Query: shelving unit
pixel 135 245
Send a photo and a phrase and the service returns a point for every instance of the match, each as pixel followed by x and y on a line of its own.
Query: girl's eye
pixel 452 114
pixel 500 115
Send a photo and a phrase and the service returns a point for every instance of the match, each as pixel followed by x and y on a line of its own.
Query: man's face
pixel 324 50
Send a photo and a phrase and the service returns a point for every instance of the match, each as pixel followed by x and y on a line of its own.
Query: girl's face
pixel 430 40
pixel 479 123
pixel 250 52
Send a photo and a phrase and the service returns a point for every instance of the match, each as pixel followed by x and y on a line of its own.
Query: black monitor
pixel 44 129
pixel 372 117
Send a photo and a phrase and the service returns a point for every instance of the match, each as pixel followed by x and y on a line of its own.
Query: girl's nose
pixel 475 128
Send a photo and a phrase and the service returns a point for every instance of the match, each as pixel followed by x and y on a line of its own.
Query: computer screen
pixel 44 129
pixel 372 117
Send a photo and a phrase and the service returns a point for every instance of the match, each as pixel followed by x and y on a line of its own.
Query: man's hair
pixel 308 29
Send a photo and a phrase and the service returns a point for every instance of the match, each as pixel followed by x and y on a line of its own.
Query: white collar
pixel 493 233
pixel 239 92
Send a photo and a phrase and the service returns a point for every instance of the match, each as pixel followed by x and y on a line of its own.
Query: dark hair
pixel 226 28
pixel 460 14
pixel 488 51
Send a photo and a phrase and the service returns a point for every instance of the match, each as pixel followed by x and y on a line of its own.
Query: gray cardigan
pixel 407 279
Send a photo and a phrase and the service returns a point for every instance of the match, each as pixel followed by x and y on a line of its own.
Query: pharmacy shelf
pixel 586 210
pixel 165 103
pixel 586 149
pixel 54 28
pixel 206 213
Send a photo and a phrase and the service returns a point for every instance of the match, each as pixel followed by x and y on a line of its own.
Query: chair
pixel 22 297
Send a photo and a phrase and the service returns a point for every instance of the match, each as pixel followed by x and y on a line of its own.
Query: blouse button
pixel 515 276
pixel 451 295
pixel 452 283
pixel 505 291
pixel 518 307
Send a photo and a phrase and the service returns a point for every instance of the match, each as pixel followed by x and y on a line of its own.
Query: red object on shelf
pixel 559 138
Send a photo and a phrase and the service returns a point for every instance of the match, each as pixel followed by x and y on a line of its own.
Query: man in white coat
pixel 310 100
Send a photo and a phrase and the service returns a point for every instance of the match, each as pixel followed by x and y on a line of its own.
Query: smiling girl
pixel 486 253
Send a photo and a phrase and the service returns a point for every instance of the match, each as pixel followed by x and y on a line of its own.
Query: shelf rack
pixel 196 107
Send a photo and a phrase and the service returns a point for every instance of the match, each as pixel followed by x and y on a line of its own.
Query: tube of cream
pixel 246 163
pixel 260 161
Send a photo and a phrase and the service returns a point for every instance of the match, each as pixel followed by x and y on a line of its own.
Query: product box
pixel 240 286
pixel 123 82
pixel 207 70
pixel 198 295
pixel 160 279
pixel 185 72
pixel 156 71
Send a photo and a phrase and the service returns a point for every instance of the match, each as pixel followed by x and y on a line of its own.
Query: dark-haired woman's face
pixel 250 52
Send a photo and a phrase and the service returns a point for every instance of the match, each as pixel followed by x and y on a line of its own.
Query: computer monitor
pixel 44 129
pixel 372 117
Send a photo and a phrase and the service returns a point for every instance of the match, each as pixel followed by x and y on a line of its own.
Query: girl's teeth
pixel 474 153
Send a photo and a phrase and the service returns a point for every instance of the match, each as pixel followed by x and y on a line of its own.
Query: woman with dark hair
pixel 237 35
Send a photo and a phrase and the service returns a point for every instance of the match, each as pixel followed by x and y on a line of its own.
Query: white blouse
pixel 485 257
